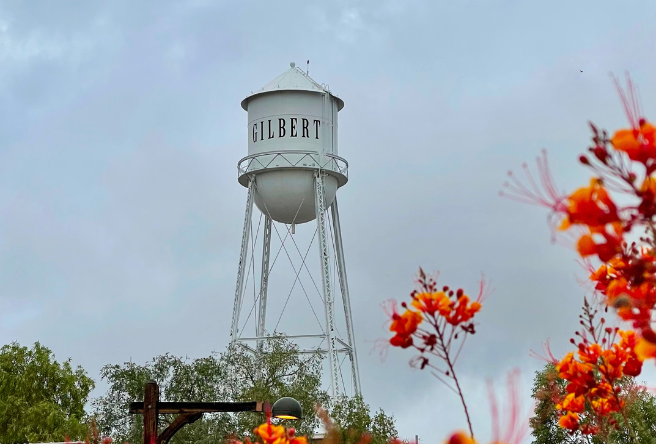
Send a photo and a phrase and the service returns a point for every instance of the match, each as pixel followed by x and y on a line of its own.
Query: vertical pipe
pixel 239 291
pixel 334 124
pixel 264 281
pixel 343 284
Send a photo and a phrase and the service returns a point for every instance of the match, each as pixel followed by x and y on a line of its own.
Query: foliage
pixel 234 375
pixel 353 419
pixel 548 388
pixel 276 372
pixel 350 422
pixel 179 380
pixel 40 398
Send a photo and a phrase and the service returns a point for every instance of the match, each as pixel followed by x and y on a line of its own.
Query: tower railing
pixel 293 159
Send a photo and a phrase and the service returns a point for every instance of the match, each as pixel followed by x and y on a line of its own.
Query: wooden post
pixel 188 412
pixel 151 398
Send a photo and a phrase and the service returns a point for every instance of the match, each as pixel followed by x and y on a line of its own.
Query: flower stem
pixel 462 398
pixel 447 359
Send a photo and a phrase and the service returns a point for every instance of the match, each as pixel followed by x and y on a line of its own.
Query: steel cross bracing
pixel 331 342
pixel 239 291
pixel 325 274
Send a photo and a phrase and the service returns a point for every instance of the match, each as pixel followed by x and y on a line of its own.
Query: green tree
pixel 234 375
pixel 548 388
pixel 40 398
pixel 353 418
pixel 275 372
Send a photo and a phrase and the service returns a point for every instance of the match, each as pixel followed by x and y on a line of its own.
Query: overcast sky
pixel 121 127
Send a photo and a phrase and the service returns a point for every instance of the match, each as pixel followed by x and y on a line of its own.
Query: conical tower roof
pixel 293 79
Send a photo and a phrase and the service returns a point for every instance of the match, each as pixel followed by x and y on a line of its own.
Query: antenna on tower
pixel 307 68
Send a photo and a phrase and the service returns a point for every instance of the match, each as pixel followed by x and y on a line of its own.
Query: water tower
pixel 292 173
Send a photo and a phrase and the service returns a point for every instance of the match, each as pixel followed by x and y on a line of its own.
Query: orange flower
pixel 629 339
pixel 605 406
pixel 649 185
pixel 633 303
pixel 569 421
pixel 572 403
pixel 432 302
pixel 590 354
pixel 463 311
pixel 606 250
pixel 577 373
pixel 637 143
pixel 591 206
pixel 271 434
pixel 645 349
pixel 404 326
pixel 460 438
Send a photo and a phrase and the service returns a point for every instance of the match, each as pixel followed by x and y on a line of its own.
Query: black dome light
pixel 287 408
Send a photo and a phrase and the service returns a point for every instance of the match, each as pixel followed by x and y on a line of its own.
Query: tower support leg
pixel 343 284
pixel 239 291
pixel 264 282
pixel 324 257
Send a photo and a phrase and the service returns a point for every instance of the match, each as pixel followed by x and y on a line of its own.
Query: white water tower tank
pixel 292 134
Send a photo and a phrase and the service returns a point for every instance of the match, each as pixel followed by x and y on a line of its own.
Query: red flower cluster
pixel 273 434
pixel 628 283
pixel 404 326
pixel 593 374
pixel 625 163
pixel 440 319
pixel 438 308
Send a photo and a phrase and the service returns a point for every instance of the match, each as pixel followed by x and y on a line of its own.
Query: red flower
pixel 637 143
pixel 460 438
pixel 591 206
pixel 569 421
pixel 404 326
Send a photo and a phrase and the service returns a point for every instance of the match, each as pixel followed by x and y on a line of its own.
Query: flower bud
pixel 600 153
pixel 593 127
